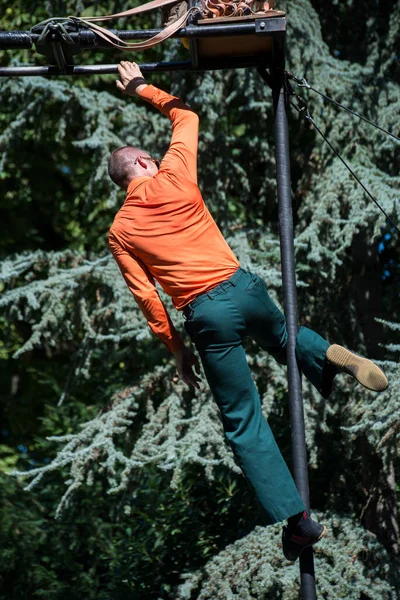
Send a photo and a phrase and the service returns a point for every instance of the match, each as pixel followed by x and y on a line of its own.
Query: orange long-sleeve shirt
pixel 164 231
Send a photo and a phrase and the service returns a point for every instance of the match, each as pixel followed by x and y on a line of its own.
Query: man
pixel 165 233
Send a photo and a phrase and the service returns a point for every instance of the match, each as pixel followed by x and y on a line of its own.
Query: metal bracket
pixel 300 82
pixel 56 43
pixel 268 25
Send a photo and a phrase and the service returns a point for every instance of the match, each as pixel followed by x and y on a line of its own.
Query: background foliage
pixel 138 495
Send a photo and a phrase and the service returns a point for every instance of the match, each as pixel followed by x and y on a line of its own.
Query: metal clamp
pixel 300 105
pixel 268 25
pixel 56 43
pixel 300 82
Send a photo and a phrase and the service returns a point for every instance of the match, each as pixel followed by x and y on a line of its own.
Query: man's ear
pixel 142 163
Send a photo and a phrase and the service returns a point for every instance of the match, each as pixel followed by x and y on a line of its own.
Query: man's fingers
pixel 124 71
pixel 130 75
pixel 123 74
pixel 193 382
pixel 185 369
pixel 191 379
pixel 194 361
pixel 129 68
pixel 120 86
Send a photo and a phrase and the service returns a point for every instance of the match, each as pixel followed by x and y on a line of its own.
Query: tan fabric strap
pixel 132 11
pixel 209 8
pixel 115 41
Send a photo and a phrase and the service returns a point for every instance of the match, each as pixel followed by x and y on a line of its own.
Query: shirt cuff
pixel 175 344
pixel 148 92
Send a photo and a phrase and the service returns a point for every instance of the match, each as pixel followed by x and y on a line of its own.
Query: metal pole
pixel 308 591
pixel 86 38
pixel 90 69
pixel 209 65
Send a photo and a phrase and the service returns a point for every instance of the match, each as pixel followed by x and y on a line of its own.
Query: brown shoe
pixel 364 370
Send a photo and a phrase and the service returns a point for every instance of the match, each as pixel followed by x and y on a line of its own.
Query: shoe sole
pixel 323 532
pixel 362 369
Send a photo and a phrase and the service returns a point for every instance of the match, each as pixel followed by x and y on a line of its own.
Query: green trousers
pixel 217 322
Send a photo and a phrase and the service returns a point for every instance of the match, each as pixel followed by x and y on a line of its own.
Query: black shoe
pixel 362 369
pixel 304 534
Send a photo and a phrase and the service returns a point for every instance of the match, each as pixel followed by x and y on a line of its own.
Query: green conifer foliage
pixel 249 568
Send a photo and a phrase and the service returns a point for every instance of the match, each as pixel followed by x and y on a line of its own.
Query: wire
pixel 303 109
pixel 311 120
pixel 303 83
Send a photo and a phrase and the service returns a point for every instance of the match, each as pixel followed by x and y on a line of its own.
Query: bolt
pixel 262 25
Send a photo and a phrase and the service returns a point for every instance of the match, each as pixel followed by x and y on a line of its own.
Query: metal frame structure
pixel 60 46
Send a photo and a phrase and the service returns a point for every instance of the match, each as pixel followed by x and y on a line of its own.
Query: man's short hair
pixel 121 167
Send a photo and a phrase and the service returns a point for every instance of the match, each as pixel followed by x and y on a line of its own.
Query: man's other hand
pixel 132 80
pixel 185 360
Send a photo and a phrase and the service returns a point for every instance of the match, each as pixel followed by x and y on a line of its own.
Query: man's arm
pixel 181 157
pixel 142 285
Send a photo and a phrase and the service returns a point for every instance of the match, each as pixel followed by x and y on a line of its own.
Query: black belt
pixel 219 289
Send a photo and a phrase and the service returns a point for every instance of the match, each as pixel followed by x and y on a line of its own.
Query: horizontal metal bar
pixel 11 40
pixel 212 65
pixel 15 40
pixel 89 69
